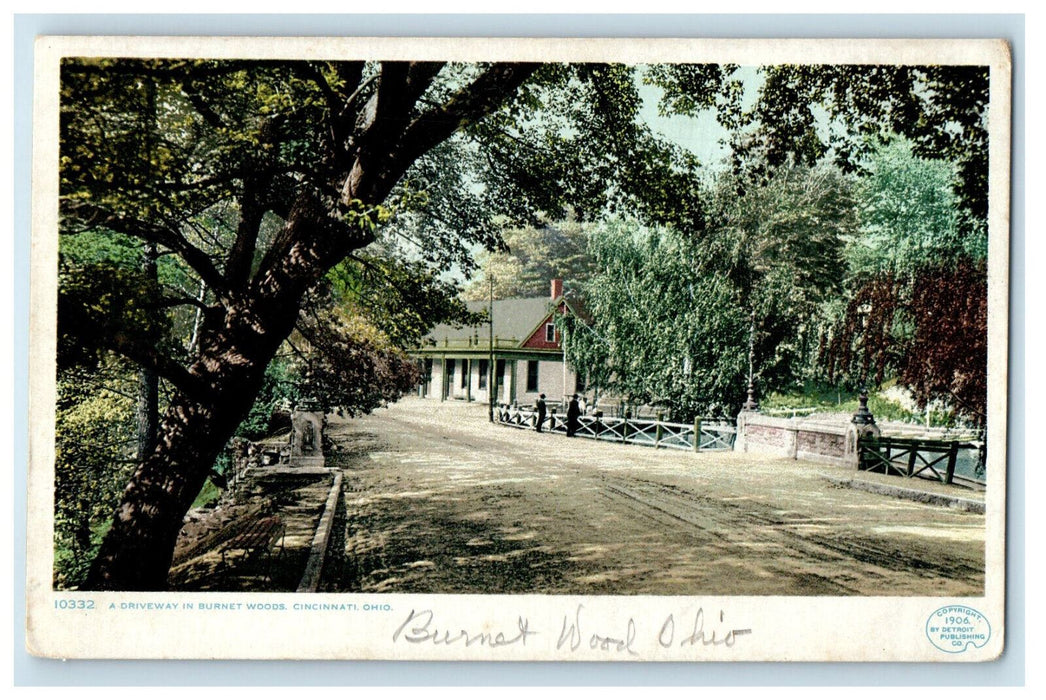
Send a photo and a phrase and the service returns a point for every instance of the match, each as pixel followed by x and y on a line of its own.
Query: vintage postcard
pixel 572 350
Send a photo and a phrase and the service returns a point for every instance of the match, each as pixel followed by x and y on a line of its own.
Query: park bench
pixel 260 536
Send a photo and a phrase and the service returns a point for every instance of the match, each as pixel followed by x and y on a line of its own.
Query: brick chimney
pixel 557 289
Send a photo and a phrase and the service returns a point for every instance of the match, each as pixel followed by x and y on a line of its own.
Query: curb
pixel 933 499
pixel 310 580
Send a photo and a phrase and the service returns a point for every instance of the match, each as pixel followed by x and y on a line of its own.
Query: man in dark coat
pixel 541 412
pixel 573 416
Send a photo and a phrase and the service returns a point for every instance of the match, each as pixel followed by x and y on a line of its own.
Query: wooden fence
pixel 712 433
pixel 922 458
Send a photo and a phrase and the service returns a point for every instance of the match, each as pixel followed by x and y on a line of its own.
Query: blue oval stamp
pixel 954 628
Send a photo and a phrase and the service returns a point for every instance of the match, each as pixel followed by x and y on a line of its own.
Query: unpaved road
pixel 439 500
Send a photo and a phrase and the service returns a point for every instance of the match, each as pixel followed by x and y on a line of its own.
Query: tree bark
pixel 240 337
pixel 136 553
pixel 235 349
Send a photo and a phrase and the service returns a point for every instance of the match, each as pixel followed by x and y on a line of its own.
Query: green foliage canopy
pixel 671 312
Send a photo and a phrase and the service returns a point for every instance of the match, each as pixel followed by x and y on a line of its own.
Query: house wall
pixel 454 389
pixel 436 385
pixel 537 338
pixel 512 386
pixel 550 382
pixel 482 395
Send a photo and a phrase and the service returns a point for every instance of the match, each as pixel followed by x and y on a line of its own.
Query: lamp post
pixel 751 404
pixel 863 416
pixel 563 342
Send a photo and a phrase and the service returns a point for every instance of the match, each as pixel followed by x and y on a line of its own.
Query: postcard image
pixel 519 349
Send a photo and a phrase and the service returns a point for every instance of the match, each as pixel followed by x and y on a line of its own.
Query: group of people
pixel 573 414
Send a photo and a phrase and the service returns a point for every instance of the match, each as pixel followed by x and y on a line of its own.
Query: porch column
pixel 511 381
pixel 466 369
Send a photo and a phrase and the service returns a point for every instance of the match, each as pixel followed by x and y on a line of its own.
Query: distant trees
pixel 852 279
pixel 530 257
pixel 672 311
pixel 914 141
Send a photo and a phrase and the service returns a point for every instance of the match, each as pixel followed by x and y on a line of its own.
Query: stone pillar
pixel 307 432
pixel 748 409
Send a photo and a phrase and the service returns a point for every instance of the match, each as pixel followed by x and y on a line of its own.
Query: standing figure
pixel 541 412
pixel 573 416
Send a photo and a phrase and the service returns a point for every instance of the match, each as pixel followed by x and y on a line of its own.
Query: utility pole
pixel 491 374
pixel 563 343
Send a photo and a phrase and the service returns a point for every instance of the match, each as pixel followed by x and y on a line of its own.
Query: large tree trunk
pixel 235 348
pixel 136 553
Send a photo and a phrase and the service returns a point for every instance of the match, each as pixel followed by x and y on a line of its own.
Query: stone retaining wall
pixel 813 439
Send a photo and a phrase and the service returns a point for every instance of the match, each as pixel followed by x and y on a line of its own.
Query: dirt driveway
pixel 440 500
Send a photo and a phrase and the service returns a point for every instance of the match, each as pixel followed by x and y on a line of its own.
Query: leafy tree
pixel 257 178
pixel 351 364
pixel 948 353
pixel 908 215
pixel 94 455
pixel 909 250
pixel 672 312
pixel 531 258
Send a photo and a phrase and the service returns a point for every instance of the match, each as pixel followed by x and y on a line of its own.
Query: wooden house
pixel 518 355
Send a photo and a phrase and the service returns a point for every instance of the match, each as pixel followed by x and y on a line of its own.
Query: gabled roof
pixel 513 318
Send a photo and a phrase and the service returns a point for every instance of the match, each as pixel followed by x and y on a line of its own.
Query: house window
pixel 483 368
pixel 532 375
pixel 448 375
pixel 550 332
pixel 464 373
pixel 428 370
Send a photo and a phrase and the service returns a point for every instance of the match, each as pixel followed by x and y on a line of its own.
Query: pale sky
pixel 701 134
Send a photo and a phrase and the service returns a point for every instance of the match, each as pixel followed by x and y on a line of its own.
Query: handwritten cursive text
pixel 418 628
pixel 571 637
pixel 699 635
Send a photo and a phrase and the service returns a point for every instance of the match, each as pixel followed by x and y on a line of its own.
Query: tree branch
pixel 470 104
pixel 93 216
pixel 200 105
pixel 168 302
pixel 387 113
pixel 150 358
pixel 378 169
